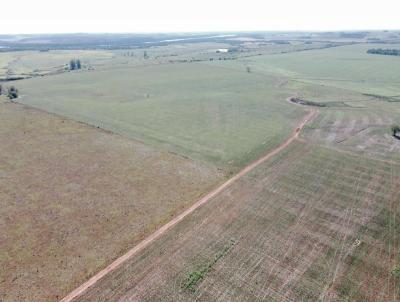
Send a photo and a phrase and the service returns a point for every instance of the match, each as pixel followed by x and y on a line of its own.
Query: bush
pixel 395 129
pixel 396 272
pixel 12 93
pixel 194 278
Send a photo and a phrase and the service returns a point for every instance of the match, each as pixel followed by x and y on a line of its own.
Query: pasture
pixel 360 91
pixel 35 63
pixel 311 223
pixel 347 67
pixel 73 198
pixel 100 158
pixel 223 116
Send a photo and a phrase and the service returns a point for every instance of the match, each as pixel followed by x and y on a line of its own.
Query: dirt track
pixel 147 241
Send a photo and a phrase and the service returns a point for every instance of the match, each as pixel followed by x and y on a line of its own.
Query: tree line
pixel 386 52
pixel 11 92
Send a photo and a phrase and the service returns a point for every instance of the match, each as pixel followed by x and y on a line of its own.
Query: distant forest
pixel 46 42
pixel 386 52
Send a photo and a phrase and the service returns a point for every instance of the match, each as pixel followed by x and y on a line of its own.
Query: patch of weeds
pixel 306 102
pixel 196 276
pixel 331 252
pixel 319 104
pixel 396 272
pixel 337 104
pixel 313 273
pixel 311 127
pixel 345 288
pixel 383 97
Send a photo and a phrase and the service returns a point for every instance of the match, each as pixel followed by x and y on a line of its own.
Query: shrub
pixel 194 278
pixel 395 129
pixel 396 272
pixel 12 93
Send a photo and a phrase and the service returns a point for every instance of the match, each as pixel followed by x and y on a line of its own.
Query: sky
pixel 73 16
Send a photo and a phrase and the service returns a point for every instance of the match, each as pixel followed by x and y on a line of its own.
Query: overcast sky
pixel 60 16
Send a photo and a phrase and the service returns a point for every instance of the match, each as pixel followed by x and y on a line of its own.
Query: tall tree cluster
pixel 387 52
pixel 75 64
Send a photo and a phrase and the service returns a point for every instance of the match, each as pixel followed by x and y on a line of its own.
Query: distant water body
pixel 193 38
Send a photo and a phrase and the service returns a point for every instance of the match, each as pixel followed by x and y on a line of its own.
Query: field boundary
pixel 98 128
pixel 312 113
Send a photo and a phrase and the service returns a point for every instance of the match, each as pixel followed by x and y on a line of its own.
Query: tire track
pixel 312 113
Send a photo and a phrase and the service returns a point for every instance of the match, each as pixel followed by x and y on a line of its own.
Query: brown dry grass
pixel 73 198
pixel 310 224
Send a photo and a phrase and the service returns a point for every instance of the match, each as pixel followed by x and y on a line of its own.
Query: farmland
pixel 209 113
pixel 34 63
pixel 95 162
pixel 191 108
pixel 73 198
pixel 348 67
pixel 363 130
pixel 311 223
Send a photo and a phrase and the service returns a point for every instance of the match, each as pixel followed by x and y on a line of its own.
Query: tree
pixel 72 65
pixel 12 92
pixel 395 130
pixel 75 64
pixel 387 52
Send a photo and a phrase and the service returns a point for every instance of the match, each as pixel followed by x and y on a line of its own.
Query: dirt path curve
pixel 147 241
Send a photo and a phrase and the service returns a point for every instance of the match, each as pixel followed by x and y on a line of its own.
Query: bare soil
pixel 309 224
pixel 146 242
pixel 73 198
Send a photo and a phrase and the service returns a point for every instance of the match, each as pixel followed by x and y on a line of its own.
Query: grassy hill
pixel 226 117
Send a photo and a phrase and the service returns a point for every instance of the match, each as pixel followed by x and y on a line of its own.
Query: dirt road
pixel 146 242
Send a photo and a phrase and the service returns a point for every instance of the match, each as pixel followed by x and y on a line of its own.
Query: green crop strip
pixel 396 272
pixel 196 276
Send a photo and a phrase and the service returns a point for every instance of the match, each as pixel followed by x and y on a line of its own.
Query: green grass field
pixel 348 67
pixel 224 116
pixel 216 111
pixel 360 89
pixel 34 63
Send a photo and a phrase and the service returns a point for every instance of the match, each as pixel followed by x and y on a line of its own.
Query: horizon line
pixel 202 31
